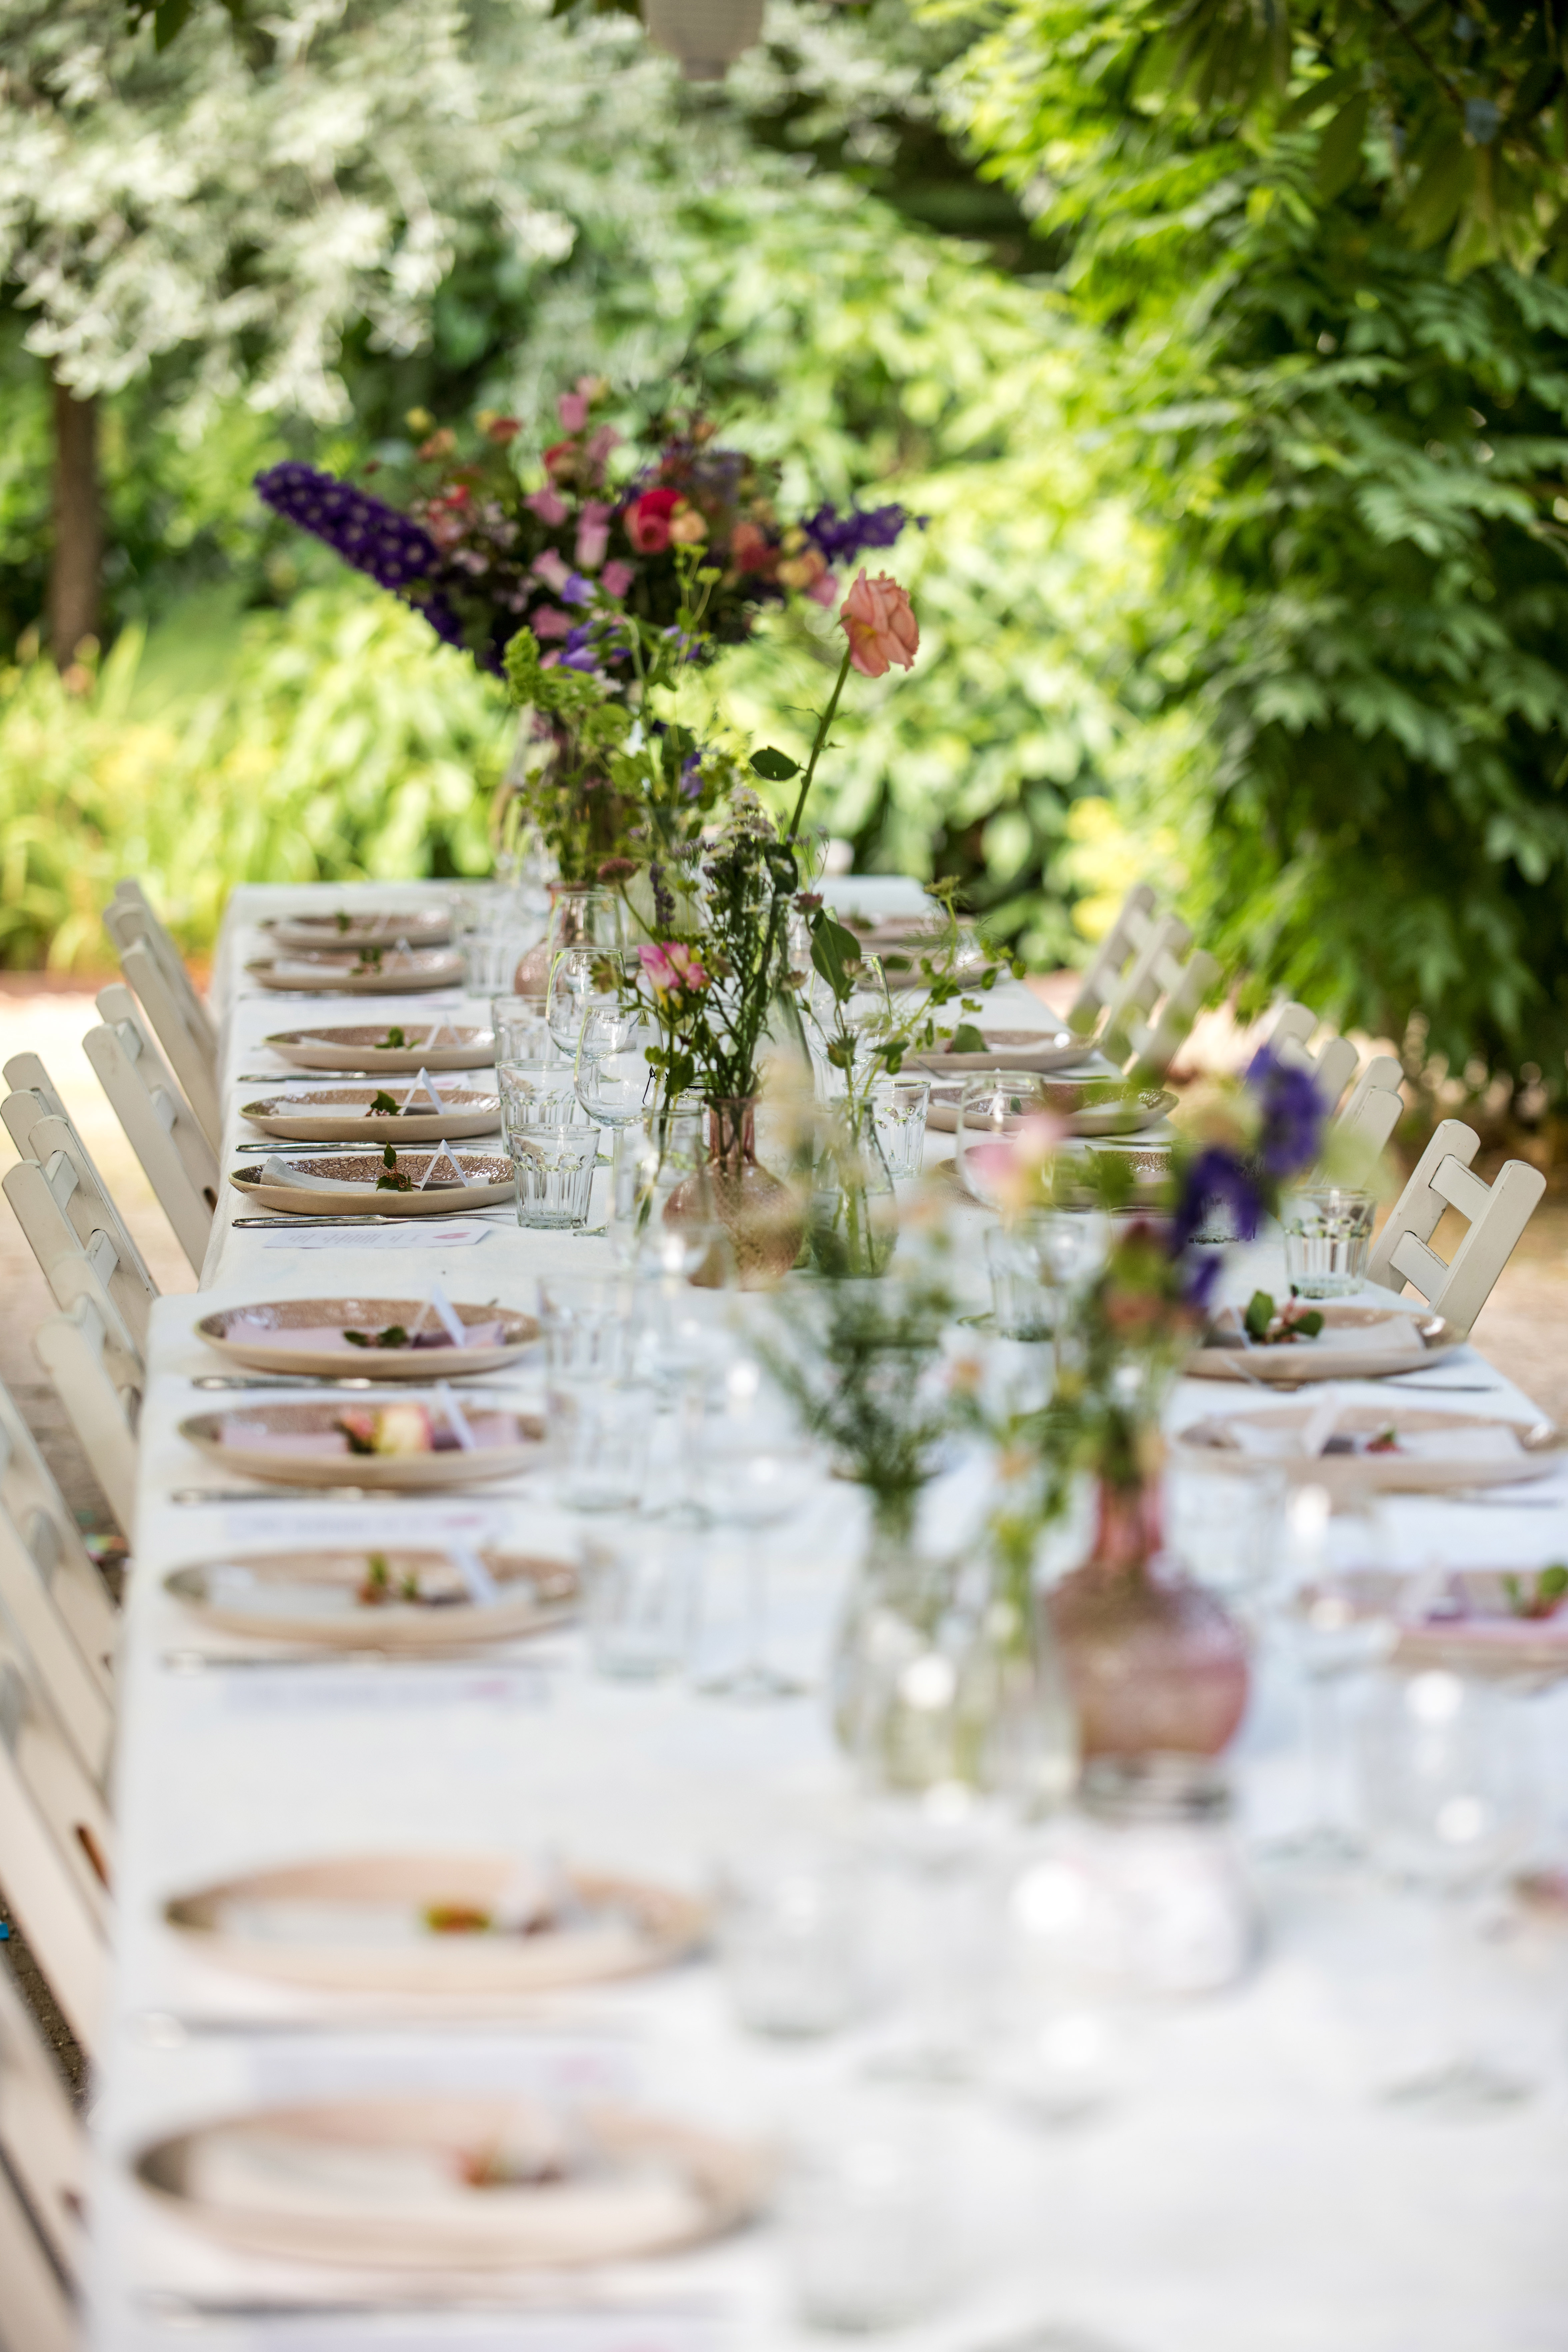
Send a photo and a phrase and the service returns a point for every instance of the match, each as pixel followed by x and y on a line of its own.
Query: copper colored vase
pixel 761 1217
pixel 1154 1663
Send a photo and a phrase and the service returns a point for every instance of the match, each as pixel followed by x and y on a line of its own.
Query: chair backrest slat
pixel 186 1058
pixel 70 1260
pixel 51 1822
pixel 1102 976
pixel 99 1387
pixel 33 1506
pixel 40 1126
pixel 38 2314
pixel 180 1164
pixel 1370 1115
pixel 1497 1214
pixel 43 2145
pixel 1153 1044
pixel 129 916
pixel 1332 1068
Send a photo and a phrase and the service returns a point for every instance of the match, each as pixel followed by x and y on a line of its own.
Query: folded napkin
pixel 1281 1441
pixel 324 1335
pixel 278 1172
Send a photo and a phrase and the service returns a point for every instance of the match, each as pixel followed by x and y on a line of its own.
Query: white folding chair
pixel 1381 1075
pixel 1149 976
pixel 99 1387
pixel 36 1518
pixel 56 1847
pixel 130 916
pixel 1497 1214
pixel 74 1235
pixel 44 2150
pixel 168 1022
pixel 1153 1045
pixel 1125 940
pixel 179 1163
pixel 27 1074
pixel 36 2309
pixel 1332 1068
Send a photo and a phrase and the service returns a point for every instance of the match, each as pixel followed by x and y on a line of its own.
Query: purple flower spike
pixel 365 532
pixel 844 539
pixel 1294 1114
pixel 1215 1176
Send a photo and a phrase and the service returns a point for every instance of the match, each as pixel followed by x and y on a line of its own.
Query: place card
pixel 312 1688
pixel 548 2327
pixel 417 1232
pixel 535 2060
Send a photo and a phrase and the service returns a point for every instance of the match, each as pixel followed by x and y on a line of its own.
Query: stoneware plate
pixel 1009 1049
pixel 394 928
pixel 454 1048
pixel 1429 1452
pixel 332 1113
pixel 1356 1343
pixel 393 1600
pixel 437 2183
pixel 435 1926
pixel 1074 1101
pixel 1464 1620
pixel 307 1335
pixel 376 971
pixel 412 1442
pixel 347 1186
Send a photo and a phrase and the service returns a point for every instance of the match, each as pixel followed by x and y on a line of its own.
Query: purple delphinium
pixel 395 551
pixel 1215 1176
pixel 1291 1132
pixel 842 538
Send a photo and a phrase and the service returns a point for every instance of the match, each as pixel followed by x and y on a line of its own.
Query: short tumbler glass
pixel 639 1600
pixel 522 1034
pixel 554 1169
pixel 1327 1234
pixel 1023 1302
pixel 899 1108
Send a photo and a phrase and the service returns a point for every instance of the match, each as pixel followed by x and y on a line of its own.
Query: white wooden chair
pixel 1150 1046
pixel 99 1387
pixel 166 1018
pixel 45 2153
pixel 129 916
pixel 74 1235
pixel 179 1163
pixel 1382 1075
pixel 91 1206
pixel 57 1844
pixel 1497 1214
pixel 1332 1068
pixel 1125 940
pixel 54 1597
pixel 1145 980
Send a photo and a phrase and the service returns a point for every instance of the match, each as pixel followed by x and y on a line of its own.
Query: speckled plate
pixel 388 927
pixel 1009 1049
pixel 317 1597
pixel 1442 1450
pixel 1356 1343
pixel 297 1927
pixel 307 1444
pixel 375 971
pixel 455 1048
pixel 305 1335
pixel 351 1184
pixel 331 1114
pixel 1079 1101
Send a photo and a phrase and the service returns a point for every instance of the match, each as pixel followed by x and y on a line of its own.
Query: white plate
pixel 266 1337
pixel 390 972
pixel 350 1188
pixel 332 1114
pixel 437 2184
pixel 342 930
pixel 435 1926
pixel 1356 1343
pixel 1009 1049
pixel 456 1047
pixel 320 1599
pixel 1443 1450
pixel 307 1444
pixel 1091 1118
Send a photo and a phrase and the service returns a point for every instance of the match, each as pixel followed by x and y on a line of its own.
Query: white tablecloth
pixel 1248 2196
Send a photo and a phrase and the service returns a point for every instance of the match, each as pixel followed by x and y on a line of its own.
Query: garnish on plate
pixel 456 1919
pixel 504 2167
pixel 393 1038
pixel 393 1429
pixel 382 1105
pixel 1550 1590
pixel 370 958
pixel 344 922
pixel 378 1589
pixel 1386 1441
pixel 1267 1327
pixel 391 1335
pixel 397 1181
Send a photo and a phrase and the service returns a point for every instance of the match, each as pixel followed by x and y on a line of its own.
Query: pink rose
pixel 879 623
pixel 673 970
pixel 601 442
pixel 552 568
pixel 823 591
pixel 548 505
pixel 617 577
pixel 550 621
pixel 574 411
pixel 648 521
pixel 593 534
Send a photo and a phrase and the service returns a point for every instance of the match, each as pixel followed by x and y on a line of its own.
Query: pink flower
pixel 548 505
pixel 648 521
pixel 601 442
pixel 574 411
pixel 823 591
pixel 617 577
pixel 593 534
pixel 552 568
pixel 879 623
pixel 673 970
pixel 550 621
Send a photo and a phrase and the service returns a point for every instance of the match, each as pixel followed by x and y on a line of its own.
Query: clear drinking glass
pixel 582 981
pixel 539 1094
pixel 600 1433
pixel 1023 1302
pixel 991 1107
pixel 790 1933
pixel 614 1080
pixel 751 1461
pixel 521 1030
pixel 898 1107
pixel 590 1323
pixel 639 1595
pixel 867 2216
pixel 554 1169
pixel 663 1148
pixel 1328 1237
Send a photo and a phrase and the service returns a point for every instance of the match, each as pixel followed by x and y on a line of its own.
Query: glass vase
pixel 759 1216
pixel 853 1226
pixel 581 914
pixel 1154 1663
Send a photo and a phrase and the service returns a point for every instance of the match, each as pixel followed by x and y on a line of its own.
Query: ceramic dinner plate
pixel 396 1339
pixel 374 972
pixel 1009 1049
pixel 437 1927
pixel 391 1046
pixel 1356 1343
pixel 391 1599
pixel 349 1184
pixel 329 1114
pixel 434 2183
pixel 407 1443
pixel 390 928
pixel 1377 1448
pixel 1084 1103
pixel 1466 1620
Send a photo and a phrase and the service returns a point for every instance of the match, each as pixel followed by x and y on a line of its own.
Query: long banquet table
pixel 1247 2195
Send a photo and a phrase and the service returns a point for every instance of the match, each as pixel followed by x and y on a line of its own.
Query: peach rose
pixel 879 623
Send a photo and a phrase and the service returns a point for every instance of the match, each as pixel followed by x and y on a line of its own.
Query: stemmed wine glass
pixel 991 1107
pixel 583 980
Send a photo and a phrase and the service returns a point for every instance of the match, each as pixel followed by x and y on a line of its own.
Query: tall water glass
pixel 554 1167
pixel 899 1108
pixel 521 1030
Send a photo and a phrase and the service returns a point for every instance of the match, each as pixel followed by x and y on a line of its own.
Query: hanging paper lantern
pixel 706 35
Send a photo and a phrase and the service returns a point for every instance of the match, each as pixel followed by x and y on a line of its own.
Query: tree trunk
pixel 76 571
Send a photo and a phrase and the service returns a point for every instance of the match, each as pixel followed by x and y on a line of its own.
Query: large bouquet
pixel 483 546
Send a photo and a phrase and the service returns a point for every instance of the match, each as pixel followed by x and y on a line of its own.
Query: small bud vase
pixel 759 1216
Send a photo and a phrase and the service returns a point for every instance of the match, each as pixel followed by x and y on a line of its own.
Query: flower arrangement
pixel 466 540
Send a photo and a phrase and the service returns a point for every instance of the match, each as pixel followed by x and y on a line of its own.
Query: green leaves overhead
pixel 776 767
